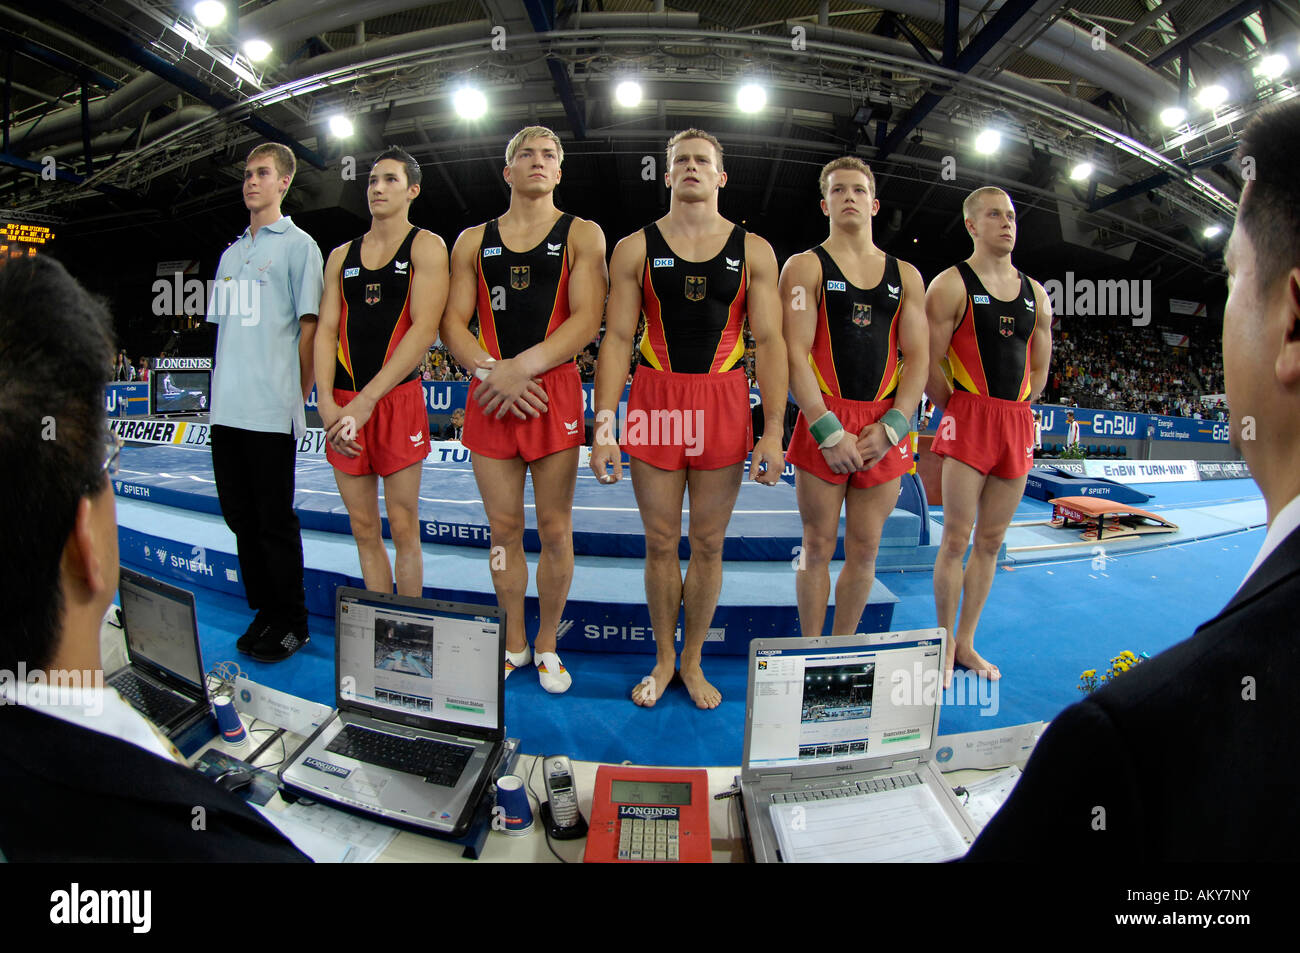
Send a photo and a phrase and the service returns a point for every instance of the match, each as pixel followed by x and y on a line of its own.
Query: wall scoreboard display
pixel 23 240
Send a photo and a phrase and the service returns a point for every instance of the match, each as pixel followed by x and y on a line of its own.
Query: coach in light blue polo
pixel 264 301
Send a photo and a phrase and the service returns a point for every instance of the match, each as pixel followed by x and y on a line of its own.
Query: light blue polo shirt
pixel 263 287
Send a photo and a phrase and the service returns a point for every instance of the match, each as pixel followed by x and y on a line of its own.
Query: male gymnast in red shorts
pixel 849 310
pixel 696 277
pixel 992 324
pixel 536 278
pixel 384 294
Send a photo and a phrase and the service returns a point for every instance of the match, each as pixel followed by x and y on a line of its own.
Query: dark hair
pixel 413 173
pixel 1270 206
pixel 56 354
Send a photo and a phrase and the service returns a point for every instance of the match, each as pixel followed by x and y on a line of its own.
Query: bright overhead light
pixel 1081 171
pixel 628 94
pixel 751 98
pixel 1212 231
pixel 988 141
pixel 340 126
pixel 1173 116
pixel 1212 97
pixel 257 50
pixel 470 103
pixel 1272 66
pixel 210 13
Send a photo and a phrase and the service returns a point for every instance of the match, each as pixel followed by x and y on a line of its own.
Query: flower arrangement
pixel 1118 665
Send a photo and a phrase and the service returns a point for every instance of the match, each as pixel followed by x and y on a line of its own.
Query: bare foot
pixel 702 693
pixel 949 656
pixel 651 688
pixel 967 657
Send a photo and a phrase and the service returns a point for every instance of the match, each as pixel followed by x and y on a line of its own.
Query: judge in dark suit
pixel 82 775
pixel 455 427
pixel 1192 755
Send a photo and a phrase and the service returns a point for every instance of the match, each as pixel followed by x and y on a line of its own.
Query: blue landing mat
pixel 1043 625
pixel 765 523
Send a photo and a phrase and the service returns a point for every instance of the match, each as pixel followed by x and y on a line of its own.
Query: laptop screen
pixel 823 705
pixel 420 661
pixel 160 626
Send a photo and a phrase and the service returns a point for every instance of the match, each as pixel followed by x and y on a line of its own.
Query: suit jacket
pixel 1191 756
pixel 71 794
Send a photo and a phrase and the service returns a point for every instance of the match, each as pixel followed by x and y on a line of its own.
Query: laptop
pixel 419 721
pixel 840 735
pixel 163 677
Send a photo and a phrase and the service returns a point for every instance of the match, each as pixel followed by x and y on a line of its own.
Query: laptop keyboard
pixel 894 782
pixel 159 705
pixel 436 761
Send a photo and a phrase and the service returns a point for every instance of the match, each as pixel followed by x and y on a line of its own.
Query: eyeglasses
pixel 112 454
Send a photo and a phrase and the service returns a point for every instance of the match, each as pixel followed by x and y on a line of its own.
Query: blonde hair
pixel 532 132
pixel 975 198
pixel 281 155
pixel 845 162
pixel 693 134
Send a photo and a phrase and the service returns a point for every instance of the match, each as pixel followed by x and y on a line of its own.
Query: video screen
pixel 179 392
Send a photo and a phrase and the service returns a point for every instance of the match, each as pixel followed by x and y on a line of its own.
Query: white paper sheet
pixel 904 826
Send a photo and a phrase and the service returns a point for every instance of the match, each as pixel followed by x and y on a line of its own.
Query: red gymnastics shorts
pixel 395 436
pixel 559 428
pixel 854 416
pixel 688 421
pixel 994 436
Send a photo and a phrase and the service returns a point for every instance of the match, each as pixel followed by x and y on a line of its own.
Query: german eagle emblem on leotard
pixel 695 288
pixel 862 315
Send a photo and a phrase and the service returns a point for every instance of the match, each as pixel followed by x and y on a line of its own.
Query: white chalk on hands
pixel 607 478
pixel 482 372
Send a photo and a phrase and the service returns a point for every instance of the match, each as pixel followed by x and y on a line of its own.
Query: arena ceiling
pixel 147 116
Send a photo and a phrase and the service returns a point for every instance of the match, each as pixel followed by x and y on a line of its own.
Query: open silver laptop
pixel 840 734
pixel 163 678
pixel 420 716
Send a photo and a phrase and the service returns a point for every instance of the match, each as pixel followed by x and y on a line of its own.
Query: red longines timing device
pixel 649 814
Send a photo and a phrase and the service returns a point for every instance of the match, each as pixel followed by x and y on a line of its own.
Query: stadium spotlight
pixel 1272 66
pixel 210 13
pixel 470 103
pixel 987 142
pixel 1212 231
pixel 751 98
pixel 1081 172
pixel 257 50
pixel 628 94
pixel 340 126
pixel 1173 116
pixel 1212 97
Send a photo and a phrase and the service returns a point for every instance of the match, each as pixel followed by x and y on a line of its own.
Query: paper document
pixel 987 795
pixel 899 827
pixel 327 835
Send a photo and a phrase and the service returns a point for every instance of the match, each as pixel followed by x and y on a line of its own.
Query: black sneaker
pixel 256 629
pixel 278 642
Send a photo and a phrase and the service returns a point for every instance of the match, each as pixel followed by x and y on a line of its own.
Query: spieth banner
pixel 1143 471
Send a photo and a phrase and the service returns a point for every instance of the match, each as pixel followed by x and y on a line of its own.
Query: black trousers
pixel 255 481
